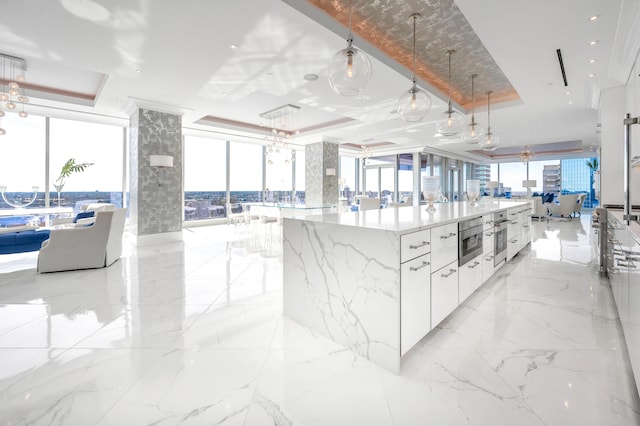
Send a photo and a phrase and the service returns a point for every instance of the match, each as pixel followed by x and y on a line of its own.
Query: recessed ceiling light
pixel 592 61
pixel 567 93
pixel 225 93
pixel 594 17
pixel 269 74
pixel 232 46
pixel 592 75
pixel 413 130
pixel 593 42
pixel 570 102
pixel 311 77
pixel 138 71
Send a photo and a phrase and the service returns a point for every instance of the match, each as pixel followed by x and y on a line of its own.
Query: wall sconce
pixel 161 161
pixel 330 172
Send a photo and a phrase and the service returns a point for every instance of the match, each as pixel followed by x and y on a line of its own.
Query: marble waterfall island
pixel 342 272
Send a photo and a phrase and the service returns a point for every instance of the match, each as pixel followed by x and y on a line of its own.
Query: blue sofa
pixel 22 241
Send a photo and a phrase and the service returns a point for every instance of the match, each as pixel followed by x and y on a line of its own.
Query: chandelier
pixel 526 155
pixel 12 73
pixel 350 68
pixel 282 125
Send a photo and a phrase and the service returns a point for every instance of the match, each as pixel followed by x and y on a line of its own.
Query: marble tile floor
pixel 192 333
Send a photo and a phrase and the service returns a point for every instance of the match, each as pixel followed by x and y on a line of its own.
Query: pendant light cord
pixel 473 109
pixel 450 52
pixel 415 17
pixel 489 112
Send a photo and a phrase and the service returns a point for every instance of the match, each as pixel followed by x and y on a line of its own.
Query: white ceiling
pixel 100 57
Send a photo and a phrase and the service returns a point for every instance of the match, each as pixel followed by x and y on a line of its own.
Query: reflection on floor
pixel 193 333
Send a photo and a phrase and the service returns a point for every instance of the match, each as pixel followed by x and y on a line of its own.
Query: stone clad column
pixel 321 174
pixel 155 205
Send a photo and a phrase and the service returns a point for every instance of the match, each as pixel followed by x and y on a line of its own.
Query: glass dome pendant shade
pixel 491 142
pixel 474 132
pixel 414 104
pixel 350 69
pixel 453 121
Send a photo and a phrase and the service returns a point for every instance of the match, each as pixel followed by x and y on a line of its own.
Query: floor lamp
pixel 529 183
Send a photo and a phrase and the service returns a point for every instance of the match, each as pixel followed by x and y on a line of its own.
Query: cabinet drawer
pixel 488 240
pixel 487 266
pixel 469 278
pixel 414 245
pixel 415 301
pixel 444 292
pixel 487 222
pixel 444 245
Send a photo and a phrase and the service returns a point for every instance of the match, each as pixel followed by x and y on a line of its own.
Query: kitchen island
pixel 377 281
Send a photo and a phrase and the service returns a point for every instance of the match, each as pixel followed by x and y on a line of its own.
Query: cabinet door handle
pixel 488 258
pixel 514 222
pixel 451 234
pixel 515 240
pixel 417 268
pixel 488 234
pixel 613 241
pixel 489 222
pixel 451 271
pixel 417 246
pixel 474 265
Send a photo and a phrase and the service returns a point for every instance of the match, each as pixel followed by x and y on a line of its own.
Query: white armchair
pixel 565 207
pixel 114 241
pixel 76 248
pixel 540 209
pixel 578 207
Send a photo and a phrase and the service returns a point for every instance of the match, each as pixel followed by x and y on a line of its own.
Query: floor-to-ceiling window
pixel 205 178
pixel 348 178
pixel 279 175
pixel 245 173
pixel 101 145
pixel 405 176
pixel 22 162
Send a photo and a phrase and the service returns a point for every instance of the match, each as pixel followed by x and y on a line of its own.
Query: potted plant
pixel 595 188
pixel 69 168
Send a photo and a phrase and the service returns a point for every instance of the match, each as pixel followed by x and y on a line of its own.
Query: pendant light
pixel 414 104
pixel 474 132
pixel 350 68
pixel 453 121
pixel 491 141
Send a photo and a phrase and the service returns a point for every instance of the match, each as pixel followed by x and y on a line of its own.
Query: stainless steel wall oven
pixel 469 239
pixel 500 236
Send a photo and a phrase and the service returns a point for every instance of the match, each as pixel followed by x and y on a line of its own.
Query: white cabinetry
pixel 513 233
pixel 470 278
pixel 444 292
pixel 444 245
pixel 415 288
pixel 488 247
pixel 415 301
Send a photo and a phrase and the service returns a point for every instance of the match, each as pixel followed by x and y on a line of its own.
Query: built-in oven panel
pixel 500 237
pixel 470 240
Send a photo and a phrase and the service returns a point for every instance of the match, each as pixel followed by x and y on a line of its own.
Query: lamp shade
pixel 161 161
pixel 414 104
pixel 531 183
pixel 349 71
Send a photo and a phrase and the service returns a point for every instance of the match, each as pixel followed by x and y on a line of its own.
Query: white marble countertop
pixel 413 218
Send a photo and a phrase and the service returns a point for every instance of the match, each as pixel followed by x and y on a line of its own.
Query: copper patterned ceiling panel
pixel 442 27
